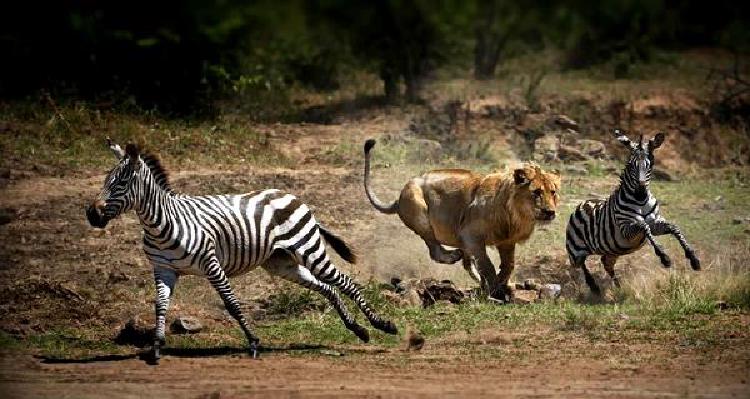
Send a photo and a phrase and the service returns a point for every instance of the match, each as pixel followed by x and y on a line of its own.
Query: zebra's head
pixel 641 161
pixel 118 194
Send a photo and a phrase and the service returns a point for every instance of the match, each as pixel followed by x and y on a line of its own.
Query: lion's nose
pixel 548 214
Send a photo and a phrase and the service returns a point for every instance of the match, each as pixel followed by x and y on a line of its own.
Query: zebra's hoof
pixel 694 262
pixel 388 327
pixel 360 332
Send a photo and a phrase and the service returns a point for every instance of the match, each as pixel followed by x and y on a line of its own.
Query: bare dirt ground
pixel 561 366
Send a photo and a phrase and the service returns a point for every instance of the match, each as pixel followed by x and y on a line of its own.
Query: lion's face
pixel 541 188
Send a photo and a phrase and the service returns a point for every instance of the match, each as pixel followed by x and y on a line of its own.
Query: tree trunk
pixel 390 84
pixel 489 42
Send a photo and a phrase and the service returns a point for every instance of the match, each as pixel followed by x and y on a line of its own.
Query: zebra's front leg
pixel 641 225
pixel 219 281
pixel 165 280
pixel 661 227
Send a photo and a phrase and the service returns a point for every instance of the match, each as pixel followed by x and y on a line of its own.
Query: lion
pixel 469 211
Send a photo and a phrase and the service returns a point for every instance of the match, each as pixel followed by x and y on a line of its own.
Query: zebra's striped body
pixel 224 236
pixel 624 222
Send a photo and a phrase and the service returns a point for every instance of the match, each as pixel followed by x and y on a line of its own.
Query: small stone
pixel 524 297
pixel 530 284
pixel 415 341
pixel 565 122
pixel 550 291
pixel 186 325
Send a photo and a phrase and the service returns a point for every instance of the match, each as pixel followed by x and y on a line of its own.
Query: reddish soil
pixel 573 370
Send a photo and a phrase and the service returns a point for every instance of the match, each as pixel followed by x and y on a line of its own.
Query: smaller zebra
pixel 223 236
pixel 622 223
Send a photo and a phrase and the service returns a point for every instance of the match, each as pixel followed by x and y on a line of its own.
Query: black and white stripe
pixel 223 236
pixel 622 223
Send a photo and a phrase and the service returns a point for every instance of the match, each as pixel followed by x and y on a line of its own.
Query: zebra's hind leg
pixel 302 276
pixel 219 281
pixel 165 280
pixel 327 273
pixel 609 265
pixel 580 262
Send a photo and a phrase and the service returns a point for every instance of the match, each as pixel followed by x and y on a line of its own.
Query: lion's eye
pixel 554 192
pixel 538 192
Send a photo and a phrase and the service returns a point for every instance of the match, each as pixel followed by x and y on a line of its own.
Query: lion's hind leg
pixel 413 211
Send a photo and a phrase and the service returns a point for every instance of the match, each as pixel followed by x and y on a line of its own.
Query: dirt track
pixel 282 375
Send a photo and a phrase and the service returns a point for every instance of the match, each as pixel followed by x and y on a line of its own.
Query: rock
pixel 592 148
pixel 524 297
pixel 575 169
pixel 444 290
pixel 550 291
pixel 530 284
pixel 565 122
pixel 414 340
pixel 568 153
pixel 662 175
pixel 186 325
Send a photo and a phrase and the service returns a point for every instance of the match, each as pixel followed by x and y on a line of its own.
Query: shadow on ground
pixel 218 351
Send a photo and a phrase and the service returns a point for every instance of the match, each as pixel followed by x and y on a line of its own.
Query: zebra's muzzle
pixel 96 217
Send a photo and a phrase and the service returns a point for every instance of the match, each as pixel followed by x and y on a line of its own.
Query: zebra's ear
pixel 119 153
pixel 622 138
pixel 656 142
pixel 132 151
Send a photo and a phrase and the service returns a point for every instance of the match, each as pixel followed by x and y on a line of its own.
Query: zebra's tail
pixel 338 245
pixel 388 209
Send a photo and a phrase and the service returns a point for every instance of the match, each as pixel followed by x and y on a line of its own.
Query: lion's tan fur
pixel 458 203
pixel 469 211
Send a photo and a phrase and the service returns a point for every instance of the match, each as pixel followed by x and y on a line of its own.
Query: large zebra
pixel 222 236
pixel 622 223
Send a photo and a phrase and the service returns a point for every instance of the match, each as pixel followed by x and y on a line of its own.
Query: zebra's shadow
pixel 218 351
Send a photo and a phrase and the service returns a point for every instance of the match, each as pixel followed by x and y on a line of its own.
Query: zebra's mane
pixel 161 176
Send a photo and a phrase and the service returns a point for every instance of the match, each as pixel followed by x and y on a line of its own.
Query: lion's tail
pixel 388 209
